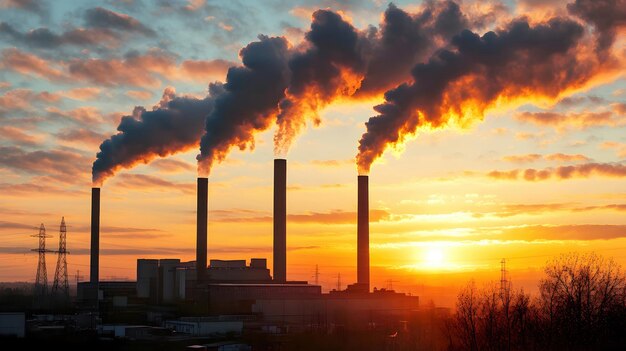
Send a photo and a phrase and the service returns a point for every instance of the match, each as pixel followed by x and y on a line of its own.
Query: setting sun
pixel 434 257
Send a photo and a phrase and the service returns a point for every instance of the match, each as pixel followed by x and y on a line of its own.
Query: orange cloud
pixel 522 158
pixel 19 136
pixel 139 94
pixel 87 93
pixel 24 99
pixel 13 59
pixel 205 71
pixel 559 157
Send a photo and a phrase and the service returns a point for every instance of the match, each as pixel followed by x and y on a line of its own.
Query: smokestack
pixel 201 227
pixel 280 220
pixel 363 234
pixel 95 236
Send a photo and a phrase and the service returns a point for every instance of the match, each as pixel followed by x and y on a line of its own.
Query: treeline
pixel 581 306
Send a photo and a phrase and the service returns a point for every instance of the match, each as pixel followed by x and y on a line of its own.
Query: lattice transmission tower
pixel 61 285
pixel 41 281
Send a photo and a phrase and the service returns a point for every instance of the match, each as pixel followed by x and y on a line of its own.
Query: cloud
pixel 565 232
pixel 18 136
pixel 24 99
pixel 144 181
pixel 82 94
pixel 133 70
pixel 620 148
pixel 139 94
pixel 18 61
pixel 85 115
pixel 46 39
pixel 173 166
pixel 559 157
pixel 81 136
pixel 522 158
pixel 12 225
pixel 102 18
pixel 34 6
pixel 332 217
pixel 579 100
pixel 66 166
pixel 562 121
pixel 36 188
pixel 205 71
pixel 586 170
pixel 616 207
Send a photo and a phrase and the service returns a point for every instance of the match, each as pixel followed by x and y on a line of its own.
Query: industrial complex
pixel 212 297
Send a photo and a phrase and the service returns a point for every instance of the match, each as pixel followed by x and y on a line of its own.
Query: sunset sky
pixel 536 169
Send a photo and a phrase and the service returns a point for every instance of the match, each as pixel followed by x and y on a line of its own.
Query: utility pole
pixel 503 278
pixel 61 285
pixel 41 281
pixel 317 275
pixel 338 281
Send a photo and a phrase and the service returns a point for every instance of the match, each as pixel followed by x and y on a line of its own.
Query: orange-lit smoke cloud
pixel 519 63
pixel 338 61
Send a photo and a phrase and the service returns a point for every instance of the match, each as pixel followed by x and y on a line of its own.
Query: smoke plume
pixel 519 63
pixel 248 102
pixel 338 61
pixel 174 125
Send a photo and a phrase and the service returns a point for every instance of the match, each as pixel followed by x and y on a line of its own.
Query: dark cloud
pixel 102 18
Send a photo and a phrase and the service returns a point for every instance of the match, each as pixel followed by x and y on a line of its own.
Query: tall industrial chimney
pixel 363 235
pixel 280 220
pixel 201 228
pixel 95 238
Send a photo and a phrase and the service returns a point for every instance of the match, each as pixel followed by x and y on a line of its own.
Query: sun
pixel 434 257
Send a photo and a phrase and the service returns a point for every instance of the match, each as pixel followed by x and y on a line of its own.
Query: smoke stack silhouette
pixel 280 220
pixel 94 266
pixel 363 234
pixel 201 229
